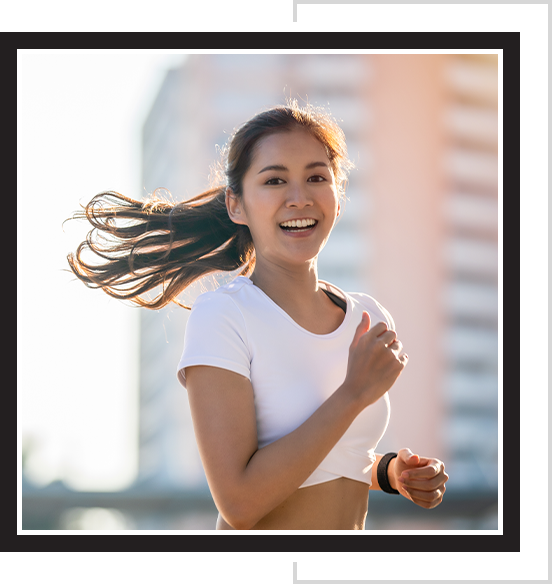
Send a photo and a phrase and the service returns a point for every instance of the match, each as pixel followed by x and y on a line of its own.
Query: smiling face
pixel 290 179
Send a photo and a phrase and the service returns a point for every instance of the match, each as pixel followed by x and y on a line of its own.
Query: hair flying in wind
pixel 155 244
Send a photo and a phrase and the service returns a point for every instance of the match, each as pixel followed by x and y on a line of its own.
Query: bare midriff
pixel 338 504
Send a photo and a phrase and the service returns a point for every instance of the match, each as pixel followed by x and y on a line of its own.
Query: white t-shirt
pixel 292 371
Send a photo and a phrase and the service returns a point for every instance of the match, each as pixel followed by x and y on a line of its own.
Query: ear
pixel 338 209
pixel 234 208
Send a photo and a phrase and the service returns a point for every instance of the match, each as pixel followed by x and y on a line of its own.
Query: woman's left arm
pixel 420 479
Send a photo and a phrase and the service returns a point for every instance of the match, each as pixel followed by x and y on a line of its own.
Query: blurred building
pixel 419 233
pixel 434 231
pixel 471 257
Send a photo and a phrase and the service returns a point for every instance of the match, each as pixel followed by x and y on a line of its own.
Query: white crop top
pixel 292 371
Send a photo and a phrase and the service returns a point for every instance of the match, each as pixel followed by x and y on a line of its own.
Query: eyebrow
pixel 281 167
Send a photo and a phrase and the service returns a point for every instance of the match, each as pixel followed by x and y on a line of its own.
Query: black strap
pixel 383 479
pixel 336 300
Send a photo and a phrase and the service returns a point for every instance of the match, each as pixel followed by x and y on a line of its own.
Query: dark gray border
pixel 525 91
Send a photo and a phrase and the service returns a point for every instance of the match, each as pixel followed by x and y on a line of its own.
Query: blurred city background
pixel 420 233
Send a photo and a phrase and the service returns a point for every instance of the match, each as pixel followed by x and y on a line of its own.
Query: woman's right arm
pixel 246 482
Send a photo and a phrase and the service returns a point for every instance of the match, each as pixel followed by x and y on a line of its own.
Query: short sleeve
pixel 388 318
pixel 376 308
pixel 215 335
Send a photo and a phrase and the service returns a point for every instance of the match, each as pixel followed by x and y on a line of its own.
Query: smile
pixel 299 227
pixel 298 224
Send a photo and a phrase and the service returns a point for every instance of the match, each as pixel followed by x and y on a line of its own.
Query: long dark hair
pixel 143 245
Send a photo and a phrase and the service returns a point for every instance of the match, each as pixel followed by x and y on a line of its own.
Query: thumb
pixel 362 328
pixel 408 456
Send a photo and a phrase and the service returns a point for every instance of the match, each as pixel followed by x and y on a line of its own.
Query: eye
pixel 274 181
pixel 317 178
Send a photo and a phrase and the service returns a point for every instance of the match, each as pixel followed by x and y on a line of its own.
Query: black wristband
pixel 383 479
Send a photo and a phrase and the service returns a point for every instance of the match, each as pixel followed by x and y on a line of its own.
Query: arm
pixel 247 482
pixel 420 479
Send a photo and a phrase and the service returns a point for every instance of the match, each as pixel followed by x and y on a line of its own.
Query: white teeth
pixel 300 223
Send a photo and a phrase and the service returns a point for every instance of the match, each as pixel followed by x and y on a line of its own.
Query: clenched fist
pixel 375 361
pixel 420 479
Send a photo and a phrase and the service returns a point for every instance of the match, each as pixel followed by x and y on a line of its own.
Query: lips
pixel 299 231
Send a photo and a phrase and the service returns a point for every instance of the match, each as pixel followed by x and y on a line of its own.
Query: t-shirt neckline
pixel 327 286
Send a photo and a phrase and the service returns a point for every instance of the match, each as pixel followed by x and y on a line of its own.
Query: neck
pixel 289 288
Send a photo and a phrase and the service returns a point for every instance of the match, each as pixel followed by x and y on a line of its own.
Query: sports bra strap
pixel 336 300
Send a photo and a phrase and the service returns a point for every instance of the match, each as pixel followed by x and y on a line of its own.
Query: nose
pixel 298 197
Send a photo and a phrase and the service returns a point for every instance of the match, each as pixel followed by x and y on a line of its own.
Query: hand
pixel 375 361
pixel 422 480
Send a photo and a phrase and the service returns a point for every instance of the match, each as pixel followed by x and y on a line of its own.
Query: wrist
pixel 386 475
pixel 357 399
pixel 351 398
pixel 391 474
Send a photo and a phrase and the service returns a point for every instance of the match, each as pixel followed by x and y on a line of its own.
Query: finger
pixel 429 461
pixel 378 329
pixel 389 340
pixel 388 337
pixel 427 504
pixel 362 328
pixel 407 456
pixel 424 461
pixel 427 499
pixel 437 482
pixel 422 472
pixel 396 346
pixel 425 495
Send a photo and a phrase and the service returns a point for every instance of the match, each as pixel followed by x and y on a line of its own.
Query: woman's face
pixel 290 179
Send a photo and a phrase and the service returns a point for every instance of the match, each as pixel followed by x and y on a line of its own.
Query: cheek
pixel 260 219
pixel 331 202
pixel 261 207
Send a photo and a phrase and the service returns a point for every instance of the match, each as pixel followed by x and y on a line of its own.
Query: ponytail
pixel 144 245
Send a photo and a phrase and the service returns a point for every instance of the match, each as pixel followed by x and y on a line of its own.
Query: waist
pixel 338 504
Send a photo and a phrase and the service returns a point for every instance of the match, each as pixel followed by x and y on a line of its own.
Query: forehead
pixel 293 145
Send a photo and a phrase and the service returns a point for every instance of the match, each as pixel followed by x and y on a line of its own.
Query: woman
pixel 287 375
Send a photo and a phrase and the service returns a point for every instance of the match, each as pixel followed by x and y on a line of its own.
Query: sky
pixel 79 123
